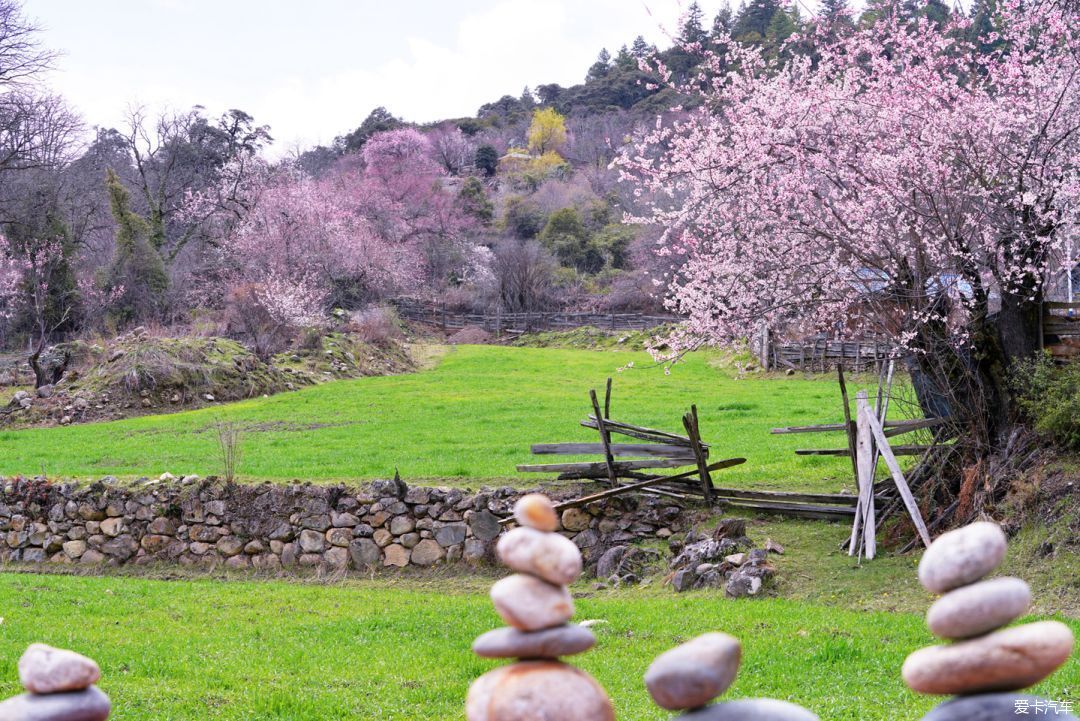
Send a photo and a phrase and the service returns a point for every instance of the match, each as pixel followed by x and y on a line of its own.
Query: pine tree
pixel 601 67
pixel 692 31
pixel 723 22
pixel 640 49
pixel 752 23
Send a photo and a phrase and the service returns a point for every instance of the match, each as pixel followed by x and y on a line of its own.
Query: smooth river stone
pixel 87 705
pixel 963 556
pixel 44 669
pixel 996 707
pixel 537 691
pixel 549 643
pixel 529 604
pixel 751 709
pixel 979 608
pixel 550 556
pixel 1006 660
pixel 535 510
pixel 691 675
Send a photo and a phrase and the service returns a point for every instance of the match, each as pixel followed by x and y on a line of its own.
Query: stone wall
pixel 201 523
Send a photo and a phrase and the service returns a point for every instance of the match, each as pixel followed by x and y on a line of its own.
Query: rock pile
pixel 983 660
pixel 688 677
pixel 725 559
pixel 60 687
pixel 537 607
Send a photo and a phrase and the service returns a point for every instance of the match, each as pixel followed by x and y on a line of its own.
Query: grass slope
pixel 471 417
pixel 273 650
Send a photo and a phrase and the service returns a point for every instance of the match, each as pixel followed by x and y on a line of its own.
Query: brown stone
pixel 427 553
pixel 44 669
pixel 535 510
pixel 549 643
pixel 1006 660
pixel 691 675
pixel 396 555
pixel 576 519
pixel 550 556
pixel 537 691
pixel 530 604
pixel 230 546
pixel 979 608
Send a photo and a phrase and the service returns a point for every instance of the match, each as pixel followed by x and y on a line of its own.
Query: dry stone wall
pixel 385 524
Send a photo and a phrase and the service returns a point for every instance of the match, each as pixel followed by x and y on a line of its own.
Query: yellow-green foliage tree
pixel 547 132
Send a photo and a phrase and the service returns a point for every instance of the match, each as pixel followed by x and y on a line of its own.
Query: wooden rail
pixel 514 323
pixel 1061 329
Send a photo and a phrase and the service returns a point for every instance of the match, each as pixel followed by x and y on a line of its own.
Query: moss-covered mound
pixel 139 373
pixel 591 338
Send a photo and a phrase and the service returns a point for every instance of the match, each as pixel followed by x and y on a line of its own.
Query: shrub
pixel 378 325
pixel 1049 396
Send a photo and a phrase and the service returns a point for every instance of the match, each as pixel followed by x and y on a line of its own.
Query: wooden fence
pixel 498 322
pixel 821 354
pixel 1061 329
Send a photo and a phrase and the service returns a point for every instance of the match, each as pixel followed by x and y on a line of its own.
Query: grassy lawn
pixel 469 419
pixel 400 650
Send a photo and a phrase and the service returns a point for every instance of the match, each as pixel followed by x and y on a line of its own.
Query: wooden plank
pixel 601 466
pixel 661 450
pixel 864 449
pixel 899 425
pixel 897 451
pixel 793 509
pixel 607 400
pixel 605 439
pixel 849 427
pixel 1060 305
pixel 835 499
pixel 898 477
pixel 614 427
pixel 626 488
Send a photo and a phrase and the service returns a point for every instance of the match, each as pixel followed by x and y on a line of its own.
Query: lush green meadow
pixel 469 419
pixel 384 650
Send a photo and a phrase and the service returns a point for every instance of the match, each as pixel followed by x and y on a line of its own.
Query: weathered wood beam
pixel 601 467
pixel 662 450
pixel 897 451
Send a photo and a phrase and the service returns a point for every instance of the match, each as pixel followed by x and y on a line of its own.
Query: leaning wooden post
pixel 690 423
pixel 605 439
pixel 898 477
pixel 864 443
pixel 849 431
pixel 607 400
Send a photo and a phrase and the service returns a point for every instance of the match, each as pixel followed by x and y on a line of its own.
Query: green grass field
pixel 469 419
pixel 394 651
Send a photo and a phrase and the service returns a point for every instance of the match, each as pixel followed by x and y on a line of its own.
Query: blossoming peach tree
pixel 900 179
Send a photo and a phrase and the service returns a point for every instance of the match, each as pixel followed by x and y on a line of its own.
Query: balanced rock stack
pixel 688 677
pixel 60 687
pixel 536 605
pixel 986 664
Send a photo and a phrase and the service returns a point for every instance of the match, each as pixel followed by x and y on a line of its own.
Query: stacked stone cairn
pixel 60 687
pixel 985 665
pixel 537 607
pixel 689 677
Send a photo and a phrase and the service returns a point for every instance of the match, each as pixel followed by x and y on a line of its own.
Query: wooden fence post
pixel 605 439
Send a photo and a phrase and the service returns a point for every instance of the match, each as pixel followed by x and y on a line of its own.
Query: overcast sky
pixel 314 69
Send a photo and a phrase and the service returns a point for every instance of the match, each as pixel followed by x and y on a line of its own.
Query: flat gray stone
pixel 997 707
pixel 751 709
pixel 88 705
pixel 44 669
pixel 549 643
pixel 979 608
pixel 693 674
pixel 485 525
pixel 963 556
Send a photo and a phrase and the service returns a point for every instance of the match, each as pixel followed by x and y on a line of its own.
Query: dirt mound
pixel 138 373
pixel 470 335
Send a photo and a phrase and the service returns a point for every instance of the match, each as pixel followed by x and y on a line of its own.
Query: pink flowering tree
pixel 900 182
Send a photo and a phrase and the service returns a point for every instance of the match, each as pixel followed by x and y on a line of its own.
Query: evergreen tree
pixel 752 23
pixel 692 31
pixel 640 49
pixel 601 67
pixel 723 22
pixel 624 60
pixel 137 272
pixel 487 160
